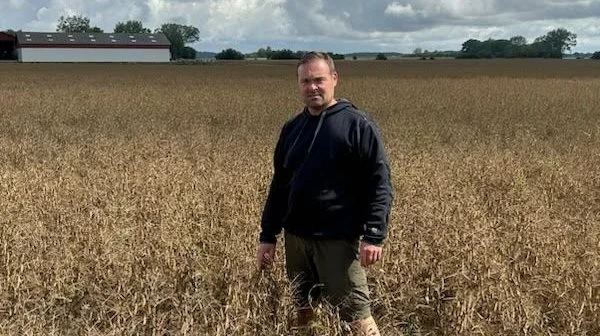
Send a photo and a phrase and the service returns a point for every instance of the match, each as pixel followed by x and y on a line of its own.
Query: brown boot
pixel 364 327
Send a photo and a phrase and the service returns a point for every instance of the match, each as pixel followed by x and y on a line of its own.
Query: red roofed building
pixel 92 47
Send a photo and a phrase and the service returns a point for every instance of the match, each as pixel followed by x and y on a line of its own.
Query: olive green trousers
pixel 330 270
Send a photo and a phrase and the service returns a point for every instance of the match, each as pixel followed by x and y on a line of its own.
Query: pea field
pixel 131 197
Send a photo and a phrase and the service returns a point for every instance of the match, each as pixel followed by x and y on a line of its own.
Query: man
pixel 331 192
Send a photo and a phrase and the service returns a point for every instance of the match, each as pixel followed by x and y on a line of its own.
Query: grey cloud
pixel 567 11
pixel 370 16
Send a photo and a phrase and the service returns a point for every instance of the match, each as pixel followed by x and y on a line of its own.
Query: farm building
pixel 92 47
pixel 7 46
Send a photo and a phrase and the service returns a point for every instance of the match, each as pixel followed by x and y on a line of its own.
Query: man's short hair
pixel 314 56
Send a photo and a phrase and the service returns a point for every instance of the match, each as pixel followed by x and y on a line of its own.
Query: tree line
pixel 268 53
pixel 553 44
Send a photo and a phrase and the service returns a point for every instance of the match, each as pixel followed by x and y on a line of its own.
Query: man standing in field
pixel 331 192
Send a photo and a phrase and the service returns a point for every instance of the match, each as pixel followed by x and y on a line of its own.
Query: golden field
pixel 130 197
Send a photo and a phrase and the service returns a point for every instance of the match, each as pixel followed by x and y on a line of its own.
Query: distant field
pixel 130 197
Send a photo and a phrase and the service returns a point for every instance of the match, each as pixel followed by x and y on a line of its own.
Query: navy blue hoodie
pixel 331 179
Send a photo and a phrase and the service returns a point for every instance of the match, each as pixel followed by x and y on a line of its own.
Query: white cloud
pixel 17 4
pixel 398 9
pixel 41 13
pixel 245 19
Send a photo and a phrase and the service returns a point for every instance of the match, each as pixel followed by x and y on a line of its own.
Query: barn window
pixel 48 35
pixel 28 39
pixel 27 35
pixel 113 41
pixel 153 41
pixel 69 35
pixel 131 36
pixel 93 40
pixel 72 40
pixel 151 36
pixel 133 41
pixel 91 36
pixel 50 40
pixel 111 36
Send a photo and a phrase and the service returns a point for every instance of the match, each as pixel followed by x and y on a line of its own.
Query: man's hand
pixel 369 254
pixel 265 255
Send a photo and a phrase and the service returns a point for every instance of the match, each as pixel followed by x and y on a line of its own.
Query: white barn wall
pixel 93 55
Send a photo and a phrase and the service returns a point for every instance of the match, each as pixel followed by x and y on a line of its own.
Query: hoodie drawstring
pixel 316 132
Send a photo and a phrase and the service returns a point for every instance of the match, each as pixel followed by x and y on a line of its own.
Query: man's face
pixel 316 84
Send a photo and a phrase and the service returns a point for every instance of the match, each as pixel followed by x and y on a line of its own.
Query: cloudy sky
pixel 333 25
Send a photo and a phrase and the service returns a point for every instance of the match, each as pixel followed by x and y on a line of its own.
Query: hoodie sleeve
pixel 378 187
pixel 276 204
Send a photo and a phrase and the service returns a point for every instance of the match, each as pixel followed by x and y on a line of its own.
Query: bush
pixel 336 56
pixel 286 54
pixel 188 53
pixel 381 57
pixel 230 54
pixel 183 61
pixel 596 55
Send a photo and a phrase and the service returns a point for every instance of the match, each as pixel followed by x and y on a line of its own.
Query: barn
pixel 92 47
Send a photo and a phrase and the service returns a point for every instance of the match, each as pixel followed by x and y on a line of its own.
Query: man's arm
pixel 378 186
pixel 276 204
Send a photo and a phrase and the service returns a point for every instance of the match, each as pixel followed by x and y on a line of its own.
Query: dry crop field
pixel 130 197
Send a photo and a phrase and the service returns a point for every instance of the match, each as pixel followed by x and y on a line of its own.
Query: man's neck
pixel 317 112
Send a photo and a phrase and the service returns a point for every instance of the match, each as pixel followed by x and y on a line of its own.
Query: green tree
pixel 551 45
pixel 269 52
pixel 230 54
pixel 12 32
pixel 284 54
pixel 76 24
pixel 501 48
pixel 471 46
pixel 189 53
pixel 261 53
pixel 179 35
pixel 518 40
pixel 264 52
pixel 558 41
pixel 334 56
pixel 381 57
pixel 491 48
pixel 596 55
pixel 131 27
